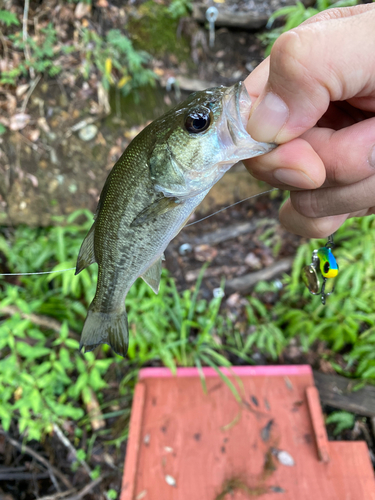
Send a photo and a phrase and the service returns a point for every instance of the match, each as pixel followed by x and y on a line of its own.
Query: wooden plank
pixel 192 444
pixel 336 391
pixel 318 424
pixel 132 450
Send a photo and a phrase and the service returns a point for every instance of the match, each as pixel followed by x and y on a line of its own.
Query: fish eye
pixel 198 120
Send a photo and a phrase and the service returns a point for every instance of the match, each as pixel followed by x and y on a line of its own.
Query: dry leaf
pixel 11 103
pixel 33 134
pixel 82 10
pixel 19 121
pixel 253 261
pixel 34 180
pixel 159 71
pixel 4 121
pixel 94 411
pixel 21 89
pixel 42 123
pixel 205 253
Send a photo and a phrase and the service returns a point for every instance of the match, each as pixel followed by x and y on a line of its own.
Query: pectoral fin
pixel 158 207
pixel 152 275
pixel 86 254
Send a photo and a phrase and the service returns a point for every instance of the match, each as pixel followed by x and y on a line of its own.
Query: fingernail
pixel 294 178
pixel 371 158
pixel 268 118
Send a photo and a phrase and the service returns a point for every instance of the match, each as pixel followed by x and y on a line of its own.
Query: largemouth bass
pixel 149 195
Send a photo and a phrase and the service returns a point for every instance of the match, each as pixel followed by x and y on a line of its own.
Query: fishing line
pixel 191 224
pixel 42 272
pixel 229 206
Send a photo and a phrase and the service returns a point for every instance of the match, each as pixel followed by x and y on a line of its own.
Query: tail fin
pixel 106 328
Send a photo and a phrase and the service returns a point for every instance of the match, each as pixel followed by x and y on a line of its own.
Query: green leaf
pixel 8 18
pixel 342 419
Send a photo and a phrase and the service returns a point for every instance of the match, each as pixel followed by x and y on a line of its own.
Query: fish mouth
pixel 236 141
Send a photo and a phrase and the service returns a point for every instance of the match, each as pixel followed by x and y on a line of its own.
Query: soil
pixel 58 172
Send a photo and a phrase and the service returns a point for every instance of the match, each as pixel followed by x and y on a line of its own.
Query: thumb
pixel 328 59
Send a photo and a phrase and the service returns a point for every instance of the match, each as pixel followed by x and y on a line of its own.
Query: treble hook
pixel 323 295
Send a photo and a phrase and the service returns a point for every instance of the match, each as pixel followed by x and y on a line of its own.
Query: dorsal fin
pixel 86 254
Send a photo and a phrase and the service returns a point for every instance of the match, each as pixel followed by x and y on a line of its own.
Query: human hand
pixel 315 96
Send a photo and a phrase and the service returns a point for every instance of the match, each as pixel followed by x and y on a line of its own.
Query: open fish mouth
pixel 237 143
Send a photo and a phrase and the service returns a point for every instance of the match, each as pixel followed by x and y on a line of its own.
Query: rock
pixel 88 133
pixel 248 15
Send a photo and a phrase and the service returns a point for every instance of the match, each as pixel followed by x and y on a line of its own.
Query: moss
pixel 153 29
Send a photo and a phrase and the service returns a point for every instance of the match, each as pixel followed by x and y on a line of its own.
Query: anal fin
pixel 86 254
pixel 152 275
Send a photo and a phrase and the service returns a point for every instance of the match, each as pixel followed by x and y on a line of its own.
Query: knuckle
pixel 306 203
pixel 288 56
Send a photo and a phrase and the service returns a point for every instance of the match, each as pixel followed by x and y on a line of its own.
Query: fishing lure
pixel 324 262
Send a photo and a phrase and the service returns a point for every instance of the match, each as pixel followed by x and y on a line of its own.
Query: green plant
pixel 295 15
pixel 44 379
pixel 154 29
pixel 8 18
pixel 112 494
pixel 116 60
pixel 349 310
pixel 178 329
pixel 342 419
pixel 43 57
pixel 264 333
pixel 179 8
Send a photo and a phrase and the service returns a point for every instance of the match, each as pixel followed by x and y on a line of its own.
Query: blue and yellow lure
pixel 327 263
pixel 323 261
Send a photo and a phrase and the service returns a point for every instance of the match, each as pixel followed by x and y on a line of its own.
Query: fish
pixel 150 194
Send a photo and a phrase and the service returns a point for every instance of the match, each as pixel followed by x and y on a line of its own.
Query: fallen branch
pixel 65 441
pixel 25 36
pixel 214 272
pixel 244 284
pixel 225 233
pixel 29 451
pixel 58 496
pixel 29 92
pixel 86 489
pixel 44 321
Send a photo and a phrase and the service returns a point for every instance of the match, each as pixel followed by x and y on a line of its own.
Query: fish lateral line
pixel 187 225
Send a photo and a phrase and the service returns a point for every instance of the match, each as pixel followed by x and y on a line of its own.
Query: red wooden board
pixel 185 444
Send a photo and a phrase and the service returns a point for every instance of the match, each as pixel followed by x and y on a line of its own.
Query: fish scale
pixel 149 195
